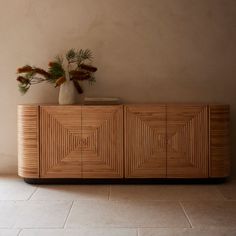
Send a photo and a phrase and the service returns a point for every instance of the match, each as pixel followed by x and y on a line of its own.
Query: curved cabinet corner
pixel 219 153
pixel 28 141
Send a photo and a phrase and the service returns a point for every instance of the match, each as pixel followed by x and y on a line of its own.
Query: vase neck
pixel 67 74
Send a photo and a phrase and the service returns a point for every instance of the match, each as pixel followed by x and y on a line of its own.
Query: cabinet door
pixel 102 138
pixel 145 141
pixel 187 141
pixel 60 141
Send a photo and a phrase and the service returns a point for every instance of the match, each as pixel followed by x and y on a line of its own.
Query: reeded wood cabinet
pixel 131 141
pixel 70 141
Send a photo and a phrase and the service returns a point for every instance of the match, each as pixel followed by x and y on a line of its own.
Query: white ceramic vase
pixel 67 93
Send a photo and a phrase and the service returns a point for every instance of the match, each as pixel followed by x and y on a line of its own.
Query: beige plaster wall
pixel 146 51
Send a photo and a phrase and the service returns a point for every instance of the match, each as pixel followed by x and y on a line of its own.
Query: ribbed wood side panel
pixel 102 137
pixel 145 141
pixel 187 141
pixel 61 145
pixel 28 141
pixel 219 117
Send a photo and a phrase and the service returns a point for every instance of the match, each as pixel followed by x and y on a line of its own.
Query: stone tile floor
pixel 116 210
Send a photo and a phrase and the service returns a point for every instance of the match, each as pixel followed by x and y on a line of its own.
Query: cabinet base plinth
pixel 68 181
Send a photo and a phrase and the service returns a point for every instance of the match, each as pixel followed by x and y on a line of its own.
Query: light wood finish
pixel 102 135
pixel 160 140
pixel 219 140
pixel 145 141
pixel 187 141
pixel 61 143
pixel 28 141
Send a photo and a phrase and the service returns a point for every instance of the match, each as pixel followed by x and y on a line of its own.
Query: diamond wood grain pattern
pixel 219 117
pixel 145 141
pixel 187 146
pixel 28 141
pixel 61 142
pixel 102 135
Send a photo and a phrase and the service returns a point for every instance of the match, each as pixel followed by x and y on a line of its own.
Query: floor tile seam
pixel 171 200
pixel 114 200
pixel 64 225
pixel 217 200
pixel 70 228
pixel 123 200
pixel 194 227
pixel 30 197
pixel 109 193
pixel 130 227
pixel 185 213
pixel 19 233
pixel 147 201
pixel 10 227
pixel 134 228
pixel 51 200
pixel 221 194
pixel 169 227
pixel 35 228
pixel 111 227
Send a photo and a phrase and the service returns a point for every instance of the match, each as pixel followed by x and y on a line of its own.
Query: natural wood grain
pixel 60 146
pixel 145 141
pixel 173 140
pixel 187 145
pixel 102 136
pixel 219 140
pixel 28 141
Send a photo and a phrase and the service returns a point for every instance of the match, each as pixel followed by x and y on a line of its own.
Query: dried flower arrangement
pixel 78 67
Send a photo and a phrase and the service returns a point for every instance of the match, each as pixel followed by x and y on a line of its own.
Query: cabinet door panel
pixel 145 141
pixel 102 138
pixel 187 141
pixel 60 141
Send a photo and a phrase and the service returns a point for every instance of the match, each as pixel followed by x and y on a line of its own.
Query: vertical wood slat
pixel 187 132
pixel 28 141
pixel 102 154
pixel 219 140
pixel 145 141
pixel 60 135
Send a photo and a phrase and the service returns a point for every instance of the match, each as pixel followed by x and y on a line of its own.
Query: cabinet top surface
pixel 127 104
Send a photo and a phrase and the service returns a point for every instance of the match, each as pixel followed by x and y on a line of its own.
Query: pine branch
pixel 55 70
pixel 59 59
pixel 23 88
pixel 84 55
pixel 71 55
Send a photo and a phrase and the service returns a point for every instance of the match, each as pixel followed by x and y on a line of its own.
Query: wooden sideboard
pixel 123 141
